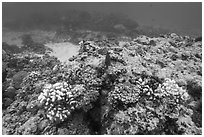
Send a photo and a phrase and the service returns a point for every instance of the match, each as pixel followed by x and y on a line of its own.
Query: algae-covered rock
pixel 18 78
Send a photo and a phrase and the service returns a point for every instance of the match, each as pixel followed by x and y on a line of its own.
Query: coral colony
pixel 137 87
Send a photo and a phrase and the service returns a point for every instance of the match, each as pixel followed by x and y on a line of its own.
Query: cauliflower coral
pixel 151 110
pixel 58 100
pixel 61 99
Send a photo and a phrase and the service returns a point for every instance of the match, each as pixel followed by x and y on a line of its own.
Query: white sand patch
pixel 63 51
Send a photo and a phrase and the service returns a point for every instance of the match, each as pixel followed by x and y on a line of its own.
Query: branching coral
pixel 58 101
pixel 137 120
pixel 28 84
pixel 124 93
pixel 62 98
pixel 34 75
pixel 84 96
pixel 79 87
pixel 153 109
pixel 136 91
pixel 117 89
pixel 171 100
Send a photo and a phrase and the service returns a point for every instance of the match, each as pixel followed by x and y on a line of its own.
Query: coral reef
pixel 151 113
pixel 149 85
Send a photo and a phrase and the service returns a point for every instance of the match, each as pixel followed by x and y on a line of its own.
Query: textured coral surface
pixel 143 86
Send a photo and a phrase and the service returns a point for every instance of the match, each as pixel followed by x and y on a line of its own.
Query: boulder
pixel 63 131
pixel 194 87
pixel 29 127
pixel 32 106
pixel 18 79
pixel 7 102
pixel 43 124
pixel 10 92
